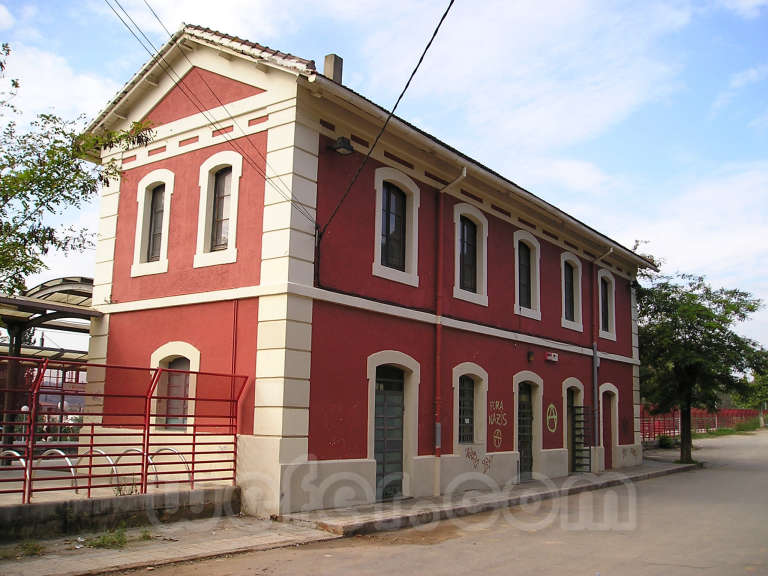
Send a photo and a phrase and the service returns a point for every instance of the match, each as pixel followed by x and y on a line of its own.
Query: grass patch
pixel 110 539
pixel 29 548
pixel 748 425
pixel 146 534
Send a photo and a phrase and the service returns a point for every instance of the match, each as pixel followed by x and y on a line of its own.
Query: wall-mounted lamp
pixel 530 356
pixel 342 146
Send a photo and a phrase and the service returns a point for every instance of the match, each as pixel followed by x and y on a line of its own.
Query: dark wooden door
pixel 607 430
pixel 388 437
pixel 525 430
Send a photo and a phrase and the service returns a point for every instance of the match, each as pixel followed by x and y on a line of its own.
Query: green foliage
pixel 748 425
pixel 30 548
pixel 689 351
pixel 146 534
pixel 46 168
pixel 109 539
pixel 666 442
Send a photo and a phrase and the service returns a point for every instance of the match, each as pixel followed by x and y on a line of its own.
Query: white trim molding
pixel 412 373
pixel 140 266
pixel 161 358
pixel 577 323
pixel 203 254
pixel 570 383
pixel 481 296
pixel 537 394
pixel 480 416
pixel 530 240
pixel 609 334
pixel 413 199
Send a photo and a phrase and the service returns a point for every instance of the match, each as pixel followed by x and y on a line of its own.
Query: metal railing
pixel 93 429
pixel 654 426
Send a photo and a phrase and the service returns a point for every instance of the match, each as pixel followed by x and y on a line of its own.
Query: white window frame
pixel 413 199
pixel 577 322
pixel 533 243
pixel 203 254
pixel 611 333
pixel 140 266
pixel 480 415
pixel 481 296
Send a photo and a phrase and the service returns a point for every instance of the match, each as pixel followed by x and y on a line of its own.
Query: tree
pixel 44 171
pixel 689 351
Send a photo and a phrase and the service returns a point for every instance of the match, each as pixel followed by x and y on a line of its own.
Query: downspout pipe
pixel 595 356
pixel 438 326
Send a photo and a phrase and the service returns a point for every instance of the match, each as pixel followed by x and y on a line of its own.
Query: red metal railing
pixel 91 429
pixel 653 426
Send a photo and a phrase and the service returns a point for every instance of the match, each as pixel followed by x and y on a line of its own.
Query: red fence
pixel 91 429
pixel 653 426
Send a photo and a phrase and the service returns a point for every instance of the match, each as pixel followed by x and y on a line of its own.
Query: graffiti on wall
pixel 497 418
pixel 476 461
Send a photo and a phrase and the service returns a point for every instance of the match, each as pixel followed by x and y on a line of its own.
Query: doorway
pixel 525 430
pixel 388 432
pixel 608 440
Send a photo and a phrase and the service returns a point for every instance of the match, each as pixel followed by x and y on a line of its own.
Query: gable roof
pixel 306 68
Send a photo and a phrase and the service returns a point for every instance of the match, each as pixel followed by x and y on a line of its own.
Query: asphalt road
pixel 710 521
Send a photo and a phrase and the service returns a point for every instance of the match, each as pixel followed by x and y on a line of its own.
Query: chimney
pixel 332 67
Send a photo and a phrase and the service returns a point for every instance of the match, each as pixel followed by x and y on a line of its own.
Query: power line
pixel 224 107
pixel 384 126
pixel 197 103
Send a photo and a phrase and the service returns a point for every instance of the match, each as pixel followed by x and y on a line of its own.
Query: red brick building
pixel 448 329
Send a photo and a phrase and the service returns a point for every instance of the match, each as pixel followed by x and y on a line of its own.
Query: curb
pixel 425 516
pixel 194 557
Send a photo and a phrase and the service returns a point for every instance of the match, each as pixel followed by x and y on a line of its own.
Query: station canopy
pixel 62 304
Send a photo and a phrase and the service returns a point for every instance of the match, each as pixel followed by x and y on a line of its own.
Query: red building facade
pixel 438 328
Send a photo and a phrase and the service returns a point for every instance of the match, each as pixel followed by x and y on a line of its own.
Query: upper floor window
pixel 217 213
pixel 150 253
pixel 393 228
pixel 570 267
pixel 396 240
pixel 220 213
pixel 527 291
pixel 607 304
pixel 466 410
pixel 471 254
pixel 156 224
pixel 468 255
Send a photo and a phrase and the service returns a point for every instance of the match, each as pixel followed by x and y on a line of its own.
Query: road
pixel 710 521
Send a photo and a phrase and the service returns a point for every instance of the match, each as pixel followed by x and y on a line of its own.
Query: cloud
pixel 739 81
pixel 745 8
pixel 50 84
pixel 6 18
pixel 761 122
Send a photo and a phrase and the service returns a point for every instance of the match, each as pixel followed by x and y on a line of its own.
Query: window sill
pixel 215 258
pixel 608 335
pixel 571 325
pixel 479 299
pixel 395 275
pixel 148 268
pixel 528 312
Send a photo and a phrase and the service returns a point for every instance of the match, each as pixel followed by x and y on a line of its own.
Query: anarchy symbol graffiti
pixel 497 438
pixel 551 418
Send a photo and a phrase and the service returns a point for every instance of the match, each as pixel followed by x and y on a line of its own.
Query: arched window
pixel 217 212
pixel 396 241
pixel 470 392
pixel 471 254
pixel 570 268
pixel 173 402
pixel 607 304
pixel 153 197
pixel 527 290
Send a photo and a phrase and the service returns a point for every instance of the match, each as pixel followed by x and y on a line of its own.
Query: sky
pixel 646 120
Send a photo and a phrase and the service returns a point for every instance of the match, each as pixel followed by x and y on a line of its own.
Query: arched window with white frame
pixel 153 216
pixel 570 290
pixel 470 254
pixel 217 212
pixel 470 405
pixel 396 239
pixel 607 304
pixel 527 271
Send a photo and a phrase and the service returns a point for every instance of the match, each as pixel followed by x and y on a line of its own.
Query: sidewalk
pixel 413 512
pixel 160 544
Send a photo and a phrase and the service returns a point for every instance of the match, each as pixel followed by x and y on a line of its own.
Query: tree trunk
pixel 686 439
